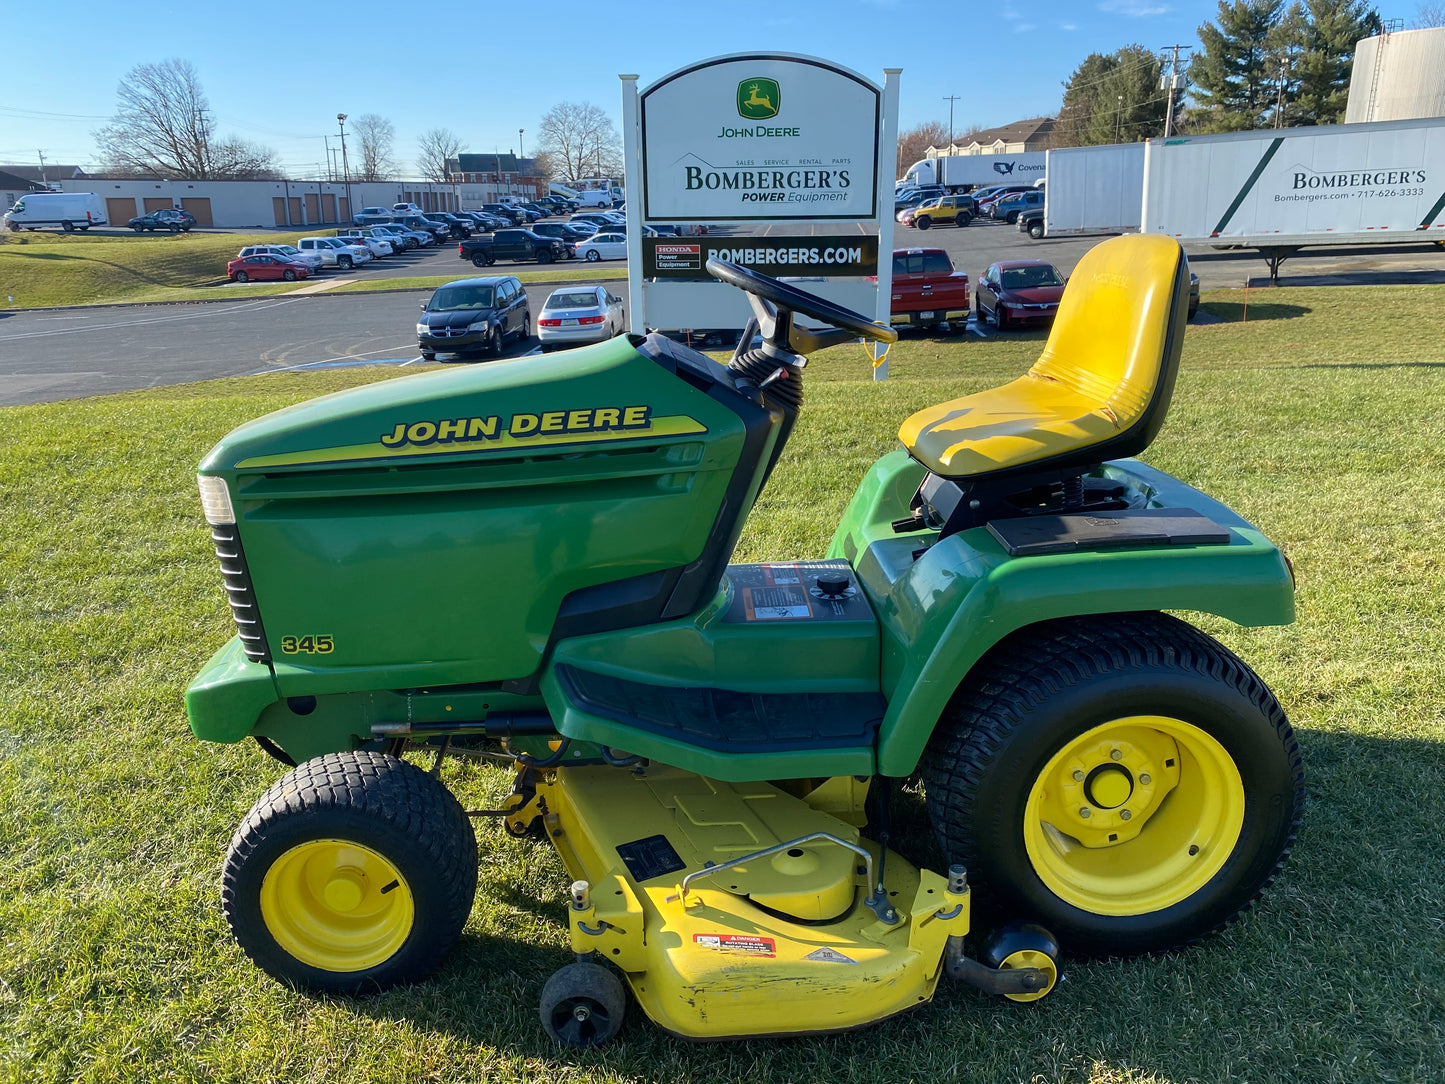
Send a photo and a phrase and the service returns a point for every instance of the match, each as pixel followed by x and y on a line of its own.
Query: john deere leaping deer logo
pixel 759 99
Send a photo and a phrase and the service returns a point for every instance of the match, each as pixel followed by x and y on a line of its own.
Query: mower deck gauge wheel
pixel 583 1005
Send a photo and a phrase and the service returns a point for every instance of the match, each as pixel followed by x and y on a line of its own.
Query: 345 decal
pixel 307 645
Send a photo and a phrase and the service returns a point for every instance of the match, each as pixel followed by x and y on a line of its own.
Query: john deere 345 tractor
pixel 533 557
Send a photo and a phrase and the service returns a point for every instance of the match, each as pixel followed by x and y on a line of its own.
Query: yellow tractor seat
pixel 1100 389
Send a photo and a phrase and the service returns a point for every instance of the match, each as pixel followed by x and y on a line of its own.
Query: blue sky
pixel 278 74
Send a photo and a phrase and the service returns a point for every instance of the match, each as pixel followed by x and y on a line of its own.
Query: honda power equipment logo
pixel 759 99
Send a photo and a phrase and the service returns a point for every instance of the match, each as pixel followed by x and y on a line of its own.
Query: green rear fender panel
pixel 940 613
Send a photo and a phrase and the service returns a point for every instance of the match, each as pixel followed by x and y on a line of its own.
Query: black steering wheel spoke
pixel 775 305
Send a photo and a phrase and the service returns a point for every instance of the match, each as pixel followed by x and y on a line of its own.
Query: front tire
pixel 1126 781
pixel 1036 230
pixel 344 262
pixel 923 222
pixel 355 872
pixel 289 275
pixel 68 227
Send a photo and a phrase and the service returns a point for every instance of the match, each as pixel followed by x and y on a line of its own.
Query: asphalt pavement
pixel 47 355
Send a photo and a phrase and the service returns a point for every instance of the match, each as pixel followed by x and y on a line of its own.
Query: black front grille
pixel 240 592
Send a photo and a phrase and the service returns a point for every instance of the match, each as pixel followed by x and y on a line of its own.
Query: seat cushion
pixel 1030 419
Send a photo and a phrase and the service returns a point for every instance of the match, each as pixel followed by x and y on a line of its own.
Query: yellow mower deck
pixel 790 942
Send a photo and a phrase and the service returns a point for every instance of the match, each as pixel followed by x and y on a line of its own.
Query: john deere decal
pixel 759 99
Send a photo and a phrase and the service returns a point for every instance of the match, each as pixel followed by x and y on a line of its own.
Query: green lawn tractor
pixel 531 558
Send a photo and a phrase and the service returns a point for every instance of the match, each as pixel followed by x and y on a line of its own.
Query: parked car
pixel 986 206
pixel 567 233
pixel 437 231
pixel 1013 293
pixel 69 210
pixel 371 216
pixel 406 209
pixel 335 252
pixel 460 227
pixel 312 261
pixel 378 247
pixel 473 314
pixel 481 222
pixel 600 219
pixel 170 219
pixel 604 246
pixel 506 210
pixel 917 196
pixel 574 315
pixel 513 244
pixel 955 209
pixel 927 291
pixel 264 266
pixel 1193 294
pixel 407 239
pixel 1009 207
pixel 1031 222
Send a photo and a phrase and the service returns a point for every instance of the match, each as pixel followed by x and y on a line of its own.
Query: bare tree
pixel 377 135
pixel 436 148
pixel 235 159
pixel 1428 15
pixel 580 140
pixel 162 128
pixel 914 143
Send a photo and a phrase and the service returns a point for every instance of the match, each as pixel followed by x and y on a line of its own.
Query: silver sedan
pixel 578 314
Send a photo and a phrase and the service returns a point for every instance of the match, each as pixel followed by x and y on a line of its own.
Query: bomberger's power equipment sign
pixel 760 137
pixel 686 258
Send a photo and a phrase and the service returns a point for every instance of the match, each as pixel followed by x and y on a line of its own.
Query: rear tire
pixel 479 261
pixel 963 218
pixel 68 227
pixel 241 276
pixel 1129 713
pixel 355 872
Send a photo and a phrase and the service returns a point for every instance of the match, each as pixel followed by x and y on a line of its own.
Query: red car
pixel 261 267
pixel 1017 292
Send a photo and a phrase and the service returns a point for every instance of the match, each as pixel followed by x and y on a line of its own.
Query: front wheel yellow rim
pixel 337 905
pixel 1134 816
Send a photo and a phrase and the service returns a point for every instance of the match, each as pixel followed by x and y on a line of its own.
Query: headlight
pixel 422 329
pixel 215 500
pixel 480 325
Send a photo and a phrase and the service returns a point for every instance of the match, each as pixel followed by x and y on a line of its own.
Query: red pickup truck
pixel 927 291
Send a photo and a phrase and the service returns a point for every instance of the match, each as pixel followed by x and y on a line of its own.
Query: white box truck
pixel 1279 190
pixel 63 210
pixel 971 170
pixel 1094 190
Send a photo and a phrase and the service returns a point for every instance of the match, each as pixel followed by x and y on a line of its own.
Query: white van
pixel 68 210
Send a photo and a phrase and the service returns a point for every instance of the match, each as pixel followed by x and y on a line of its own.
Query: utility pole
pixel 330 168
pixel 1279 94
pixel 345 168
pixel 519 142
pixel 1171 83
pixel 1118 116
pixel 42 169
pixel 950 99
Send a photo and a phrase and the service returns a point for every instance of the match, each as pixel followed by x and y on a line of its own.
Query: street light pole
pixel 519 142
pixel 950 99
pixel 1118 116
pixel 345 167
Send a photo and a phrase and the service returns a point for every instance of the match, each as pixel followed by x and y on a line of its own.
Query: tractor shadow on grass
pixel 1234 312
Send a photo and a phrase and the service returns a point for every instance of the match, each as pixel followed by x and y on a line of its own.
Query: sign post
pixel 775 161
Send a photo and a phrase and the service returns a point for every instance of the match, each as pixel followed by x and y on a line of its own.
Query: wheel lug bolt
pixel 1078 776
pixel 1124 814
pixel 1145 779
pixel 1086 812
pixel 1117 754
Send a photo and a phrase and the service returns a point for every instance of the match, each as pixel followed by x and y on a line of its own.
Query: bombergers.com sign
pixel 760 137
pixel 669 258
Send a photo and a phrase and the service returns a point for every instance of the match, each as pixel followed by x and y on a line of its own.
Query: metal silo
pixel 1398 76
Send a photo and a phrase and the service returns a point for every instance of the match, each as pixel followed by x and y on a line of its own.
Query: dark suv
pixel 176 221
pixel 472 315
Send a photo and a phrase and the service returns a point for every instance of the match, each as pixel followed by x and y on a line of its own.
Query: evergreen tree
pixel 1232 85
pixel 1329 50
pixel 1113 98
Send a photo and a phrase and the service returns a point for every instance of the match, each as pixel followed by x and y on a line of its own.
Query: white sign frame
pixel 683 304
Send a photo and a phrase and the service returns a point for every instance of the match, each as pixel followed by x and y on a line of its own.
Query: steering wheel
pixel 774 304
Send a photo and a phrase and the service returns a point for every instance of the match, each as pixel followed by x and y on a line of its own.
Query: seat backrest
pixel 1119 332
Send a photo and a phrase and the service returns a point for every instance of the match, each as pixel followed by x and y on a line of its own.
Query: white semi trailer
pixel 971 170
pixel 1280 190
pixel 1094 190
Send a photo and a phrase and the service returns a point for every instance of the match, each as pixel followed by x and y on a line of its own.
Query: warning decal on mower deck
pixel 736 944
pixel 830 956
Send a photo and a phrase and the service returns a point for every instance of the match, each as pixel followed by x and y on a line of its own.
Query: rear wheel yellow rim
pixel 1134 816
pixel 337 905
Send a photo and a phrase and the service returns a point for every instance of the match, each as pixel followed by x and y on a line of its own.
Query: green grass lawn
pixel 116 963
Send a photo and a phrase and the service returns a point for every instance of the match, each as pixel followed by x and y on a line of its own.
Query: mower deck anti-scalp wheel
pixel 353 873
pixel 1123 779
pixel 1023 944
pixel 583 1005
